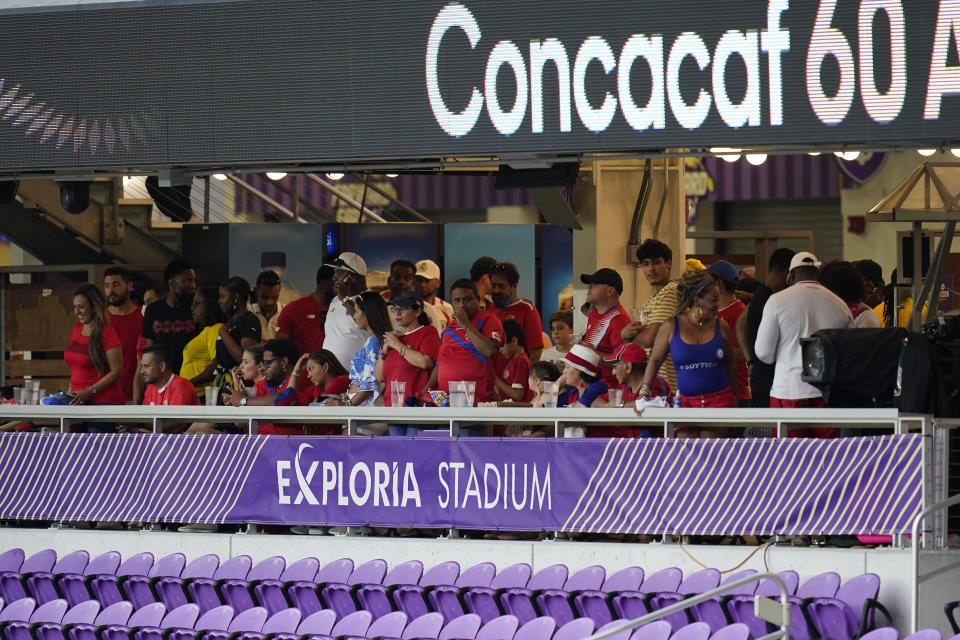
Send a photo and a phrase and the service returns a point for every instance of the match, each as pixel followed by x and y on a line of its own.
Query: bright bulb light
pixel 849 156
pixel 756 159
pixel 926 152
pixel 955 152
pixel 726 153
pixel 335 176
pixel 729 158
pixel 276 175
pixel 392 175
pixel 219 176
pixel 813 153
pixel 126 180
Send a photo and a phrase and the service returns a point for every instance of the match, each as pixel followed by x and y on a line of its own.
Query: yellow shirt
pixel 660 307
pixel 199 353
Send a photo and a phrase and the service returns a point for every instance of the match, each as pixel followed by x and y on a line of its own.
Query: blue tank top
pixel 699 366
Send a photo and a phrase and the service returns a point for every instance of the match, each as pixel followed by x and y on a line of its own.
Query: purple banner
pixel 712 487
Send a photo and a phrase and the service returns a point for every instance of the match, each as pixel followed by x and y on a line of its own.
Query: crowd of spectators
pixel 711 338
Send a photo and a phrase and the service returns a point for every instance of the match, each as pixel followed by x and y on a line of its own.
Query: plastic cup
pixel 398 393
pixel 25 395
pixel 458 394
pixel 210 395
pixel 615 397
pixel 550 392
pixel 16 394
pixel 470 390
pixel 43 394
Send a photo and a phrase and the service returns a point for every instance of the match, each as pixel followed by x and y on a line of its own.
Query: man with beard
pixel 169 322
pixel 504 278
pixel 267 305
pixel 127 321
pixel 279 358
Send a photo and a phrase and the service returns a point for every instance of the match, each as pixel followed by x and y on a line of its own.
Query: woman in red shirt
pixel 326 374
pixel 94 355
pixel 408 354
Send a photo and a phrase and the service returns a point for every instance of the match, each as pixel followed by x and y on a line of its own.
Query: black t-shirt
pixel 171 328
pixel 246 325
pixel 760 369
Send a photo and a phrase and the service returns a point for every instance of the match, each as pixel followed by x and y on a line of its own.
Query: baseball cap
pixel 724 270
pixel 350 262
pixel 803 259
pixel 604 276
pixel 428 269
pixel 406 300
pixel 583 359
pixel 627 352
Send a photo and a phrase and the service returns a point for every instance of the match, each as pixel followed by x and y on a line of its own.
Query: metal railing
pixel 915 556
pixel 783 620
pixel 454 419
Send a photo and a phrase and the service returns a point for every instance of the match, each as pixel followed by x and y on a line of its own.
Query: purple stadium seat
pixel 106 587
pixel 183 617
pixel 556 603
pixel 699 582
pixel 149 616
pixel 518 601
pixel 501 628
pixel 21 609
pixel 83 613
pixel 410 599
pixel 539 629
pixel 317 624
pixel 116 614
pixel 139 589
pixel 656 630
pixel 42 584
pixel 694 631
pixel 48 612
pixel 925 634
pixel 170 589
pixel 620 635
pixel 631 604
pixel 426 626
pixel 375 598
pixel 735 631
pixel 445 598
pixel 237 593
pixel 883 633
pixel 463 628
pixel 823 585
pixel 12 587
pixel 203 591
pixel 577 629
pixel 484 601
pixel 354 624
pixel 215 621
pixel 740 607
pixel 73 586
pixel 850 613
pixel 595 603
pixel 339 596
pixel 11 560
pixel 250 622
pixel 712 611
pixel 390 625
pixel 305 594
pixel 271 593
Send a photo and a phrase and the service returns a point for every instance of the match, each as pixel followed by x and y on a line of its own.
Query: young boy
pixel 513 365
pixel 561 331
pixel 629 362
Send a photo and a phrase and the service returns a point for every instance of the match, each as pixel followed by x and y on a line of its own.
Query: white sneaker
pixel 299 530
pixel 198 528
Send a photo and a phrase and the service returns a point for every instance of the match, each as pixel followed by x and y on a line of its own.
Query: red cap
pixel 627 352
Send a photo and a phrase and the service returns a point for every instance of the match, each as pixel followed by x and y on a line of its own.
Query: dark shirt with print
pixel 171 328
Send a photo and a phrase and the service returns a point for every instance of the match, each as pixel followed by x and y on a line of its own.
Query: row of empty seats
pixel 822 607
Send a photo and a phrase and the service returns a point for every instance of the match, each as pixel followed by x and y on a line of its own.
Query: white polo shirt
pixel 797 312
pixel 343 337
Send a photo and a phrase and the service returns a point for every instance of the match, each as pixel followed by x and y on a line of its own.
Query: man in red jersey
pixel 302 320
pixel 127 320
pixel 163 386
pixel 725 275
pixel 469 344
pixel 607 316
pixel 504 278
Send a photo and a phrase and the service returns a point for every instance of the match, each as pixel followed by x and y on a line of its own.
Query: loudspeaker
pixel 173 202
pixel 74 196
pixel 8 191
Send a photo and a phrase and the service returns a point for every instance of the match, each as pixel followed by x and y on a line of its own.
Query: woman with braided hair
pixel 700 344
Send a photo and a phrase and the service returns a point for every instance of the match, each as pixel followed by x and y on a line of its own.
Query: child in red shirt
pixel 513 365
pixel 629 363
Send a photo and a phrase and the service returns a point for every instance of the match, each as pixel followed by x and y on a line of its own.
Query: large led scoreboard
pixel 257 82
